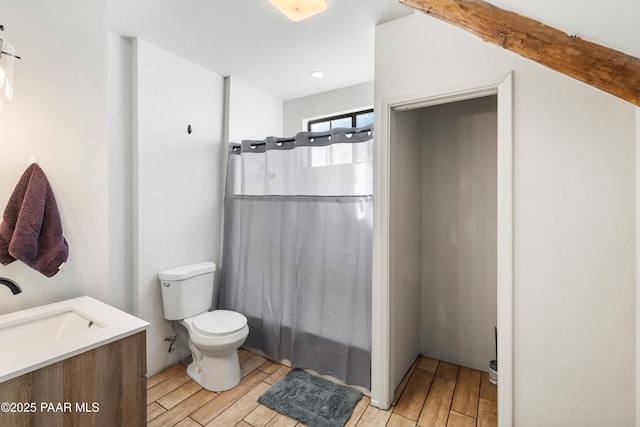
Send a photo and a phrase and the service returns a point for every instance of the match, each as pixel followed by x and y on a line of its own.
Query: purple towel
pixel 31 230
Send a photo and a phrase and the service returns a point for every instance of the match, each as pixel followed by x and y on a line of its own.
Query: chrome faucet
pixel 15 289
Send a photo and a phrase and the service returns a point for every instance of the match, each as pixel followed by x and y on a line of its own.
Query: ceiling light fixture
pixel 297 10
pixel 316 74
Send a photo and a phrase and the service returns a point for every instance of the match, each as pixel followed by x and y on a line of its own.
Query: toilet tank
pixel 187 290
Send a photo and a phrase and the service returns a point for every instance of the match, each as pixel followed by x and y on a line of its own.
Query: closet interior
pixel 443 234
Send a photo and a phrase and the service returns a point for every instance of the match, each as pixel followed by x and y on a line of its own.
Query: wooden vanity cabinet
pixel 105 386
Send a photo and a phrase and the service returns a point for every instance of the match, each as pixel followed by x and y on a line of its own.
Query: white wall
pixel 459 252
pixel 574 228
pixel 59 115
pixel 405 244
pixel 119 167
pixel 347 99
pixel 176 178
pixel 252 113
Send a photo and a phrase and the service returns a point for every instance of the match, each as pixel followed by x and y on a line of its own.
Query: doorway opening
pixel 443 235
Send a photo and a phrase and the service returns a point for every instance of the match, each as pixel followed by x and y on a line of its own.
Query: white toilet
pixel 214 336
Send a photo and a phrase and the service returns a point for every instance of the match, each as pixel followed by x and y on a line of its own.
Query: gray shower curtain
pixel 297 249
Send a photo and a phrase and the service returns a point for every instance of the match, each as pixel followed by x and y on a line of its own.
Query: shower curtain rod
pixel 310 138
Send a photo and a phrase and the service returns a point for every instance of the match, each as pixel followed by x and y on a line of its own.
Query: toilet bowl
pixel 214 336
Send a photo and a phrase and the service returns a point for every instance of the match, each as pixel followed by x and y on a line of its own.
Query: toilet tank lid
pixel 186 271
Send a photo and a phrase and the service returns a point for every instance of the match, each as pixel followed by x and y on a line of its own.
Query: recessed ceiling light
pixel 316 74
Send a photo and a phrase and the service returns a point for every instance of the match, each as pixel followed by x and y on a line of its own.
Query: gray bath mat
pixel 311 400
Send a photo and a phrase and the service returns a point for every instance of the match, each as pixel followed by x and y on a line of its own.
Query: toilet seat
pixel 219 323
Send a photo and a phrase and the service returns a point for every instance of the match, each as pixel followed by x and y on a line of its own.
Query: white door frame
pixel 637 267
pixel 381 387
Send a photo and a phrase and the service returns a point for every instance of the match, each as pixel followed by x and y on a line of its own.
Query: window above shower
pixel 355 119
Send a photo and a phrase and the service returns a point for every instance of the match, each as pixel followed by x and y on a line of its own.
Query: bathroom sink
pixel 46 329
pixel 40 336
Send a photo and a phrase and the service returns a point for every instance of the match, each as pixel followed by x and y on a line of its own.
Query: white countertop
pixel 17 359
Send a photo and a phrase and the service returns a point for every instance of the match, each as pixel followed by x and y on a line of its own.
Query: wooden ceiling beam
pixel 607 69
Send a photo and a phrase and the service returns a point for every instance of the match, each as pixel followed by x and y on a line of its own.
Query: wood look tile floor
pixel 432 393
